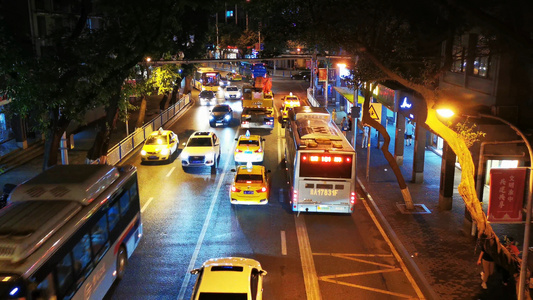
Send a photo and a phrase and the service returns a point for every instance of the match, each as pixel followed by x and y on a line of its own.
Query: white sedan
pixel 229 278
pixel 232 92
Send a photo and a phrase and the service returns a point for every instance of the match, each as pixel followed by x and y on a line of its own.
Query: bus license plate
pixel 249 192
pixel 323 207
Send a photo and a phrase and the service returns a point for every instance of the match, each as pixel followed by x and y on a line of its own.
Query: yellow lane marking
pixel 357 255
pixel 347 256
pixel 369 289
pixel 358 273
pixel 306 257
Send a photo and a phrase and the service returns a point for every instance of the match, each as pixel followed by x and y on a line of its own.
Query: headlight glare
pixel 143 152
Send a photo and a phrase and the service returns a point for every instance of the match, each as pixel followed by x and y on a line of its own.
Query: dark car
pixel 221 114
pixel 207 97
pixel 302 75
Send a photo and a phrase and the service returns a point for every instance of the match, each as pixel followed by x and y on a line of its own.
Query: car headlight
pixel 164 151
pixel 184 156
pixel 227 117
pixel 143 152
pixel 210 156
pixel 211 117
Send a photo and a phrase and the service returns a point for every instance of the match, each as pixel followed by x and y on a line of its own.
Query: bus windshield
pixel 326 165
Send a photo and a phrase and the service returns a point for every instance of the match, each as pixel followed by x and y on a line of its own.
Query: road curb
pixel 418 276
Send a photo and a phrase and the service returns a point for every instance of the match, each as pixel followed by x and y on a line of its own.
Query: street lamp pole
pixel 525 250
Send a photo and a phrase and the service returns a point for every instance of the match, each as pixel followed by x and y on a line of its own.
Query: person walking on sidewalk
pixel 344 125
pixel 488 267
pixel 365 137
pixel 334 116
pixel 409 132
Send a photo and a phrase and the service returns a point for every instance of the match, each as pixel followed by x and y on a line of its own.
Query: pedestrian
pixel 365 137
pixel 344 125
pixel 409 132
pixel 334 116
pixel 488 267
pixel 510 244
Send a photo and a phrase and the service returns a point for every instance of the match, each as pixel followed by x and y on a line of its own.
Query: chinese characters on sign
pixel 506 194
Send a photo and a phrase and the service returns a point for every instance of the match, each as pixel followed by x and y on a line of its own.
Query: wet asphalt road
pixel 188 219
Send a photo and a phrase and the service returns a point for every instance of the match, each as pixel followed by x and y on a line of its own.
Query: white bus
pixel 206 79
pixel 320 163
pixel 68 232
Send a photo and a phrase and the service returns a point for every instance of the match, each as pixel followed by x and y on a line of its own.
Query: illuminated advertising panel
pixel 326 165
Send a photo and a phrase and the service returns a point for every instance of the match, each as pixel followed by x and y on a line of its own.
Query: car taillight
pixel 238 150
pixel 258 150
pixel 352 198
pixel 262 190
pixel 234 189
pixel 295 196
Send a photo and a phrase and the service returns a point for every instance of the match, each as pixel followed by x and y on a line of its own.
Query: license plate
pixel 248 152
pixel 153 157
pixel 322 207
pixel 249 192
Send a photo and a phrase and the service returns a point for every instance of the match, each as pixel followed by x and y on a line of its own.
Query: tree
pixel 401 41
pixel 83 68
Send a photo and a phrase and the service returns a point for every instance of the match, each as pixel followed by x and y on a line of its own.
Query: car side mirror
pixel 263 140
pixel 268 171
pixel 263 272
pixel 236 139
pixel 233 170
pixel 209 110
pixel 195 271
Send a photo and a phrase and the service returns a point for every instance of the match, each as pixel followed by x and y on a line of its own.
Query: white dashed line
pixel 170 172
pixel 283 243
pixel 146 204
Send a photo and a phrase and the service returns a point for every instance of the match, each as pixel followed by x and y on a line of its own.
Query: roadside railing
pixel 312 99
pixel 129 143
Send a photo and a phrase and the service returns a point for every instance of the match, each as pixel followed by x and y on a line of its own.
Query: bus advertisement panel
pixel 72 236
pixel 321 163
pixel 206 79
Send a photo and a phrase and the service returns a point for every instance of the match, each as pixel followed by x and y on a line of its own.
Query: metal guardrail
pixel 129 143
pixel 312 99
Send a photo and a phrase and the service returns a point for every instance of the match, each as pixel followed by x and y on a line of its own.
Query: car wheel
pixel 122 260
pixel 212 124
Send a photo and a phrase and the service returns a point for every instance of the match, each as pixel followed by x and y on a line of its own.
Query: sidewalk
pixel 436 243
pixel 83 141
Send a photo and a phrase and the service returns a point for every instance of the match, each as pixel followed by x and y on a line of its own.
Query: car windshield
pixel 223 296
pixel 248 143
pixel 156 140
pixel 232 89
pixel 207 94
pixel 222 108
pixel 199 142
pixel 249 178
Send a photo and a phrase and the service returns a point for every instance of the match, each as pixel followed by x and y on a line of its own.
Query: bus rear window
pixel 326 165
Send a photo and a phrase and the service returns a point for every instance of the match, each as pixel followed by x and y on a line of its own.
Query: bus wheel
pixel 122 260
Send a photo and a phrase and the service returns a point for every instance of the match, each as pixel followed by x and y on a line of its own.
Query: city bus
pixel 68 232
pixel 206 79
pixel 320 163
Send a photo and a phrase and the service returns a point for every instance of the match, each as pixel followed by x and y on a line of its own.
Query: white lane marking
pixel 146 204
pixel 170 172
pixel 187 278
pixel 306 256
pixel 283 243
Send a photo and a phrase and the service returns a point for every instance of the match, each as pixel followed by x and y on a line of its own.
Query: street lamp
pixel 445 112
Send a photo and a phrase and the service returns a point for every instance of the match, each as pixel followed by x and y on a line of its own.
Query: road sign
pixel 375 111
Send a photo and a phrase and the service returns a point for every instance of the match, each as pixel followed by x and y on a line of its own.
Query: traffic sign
pixel 375 111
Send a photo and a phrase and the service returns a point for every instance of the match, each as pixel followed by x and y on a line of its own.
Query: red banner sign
pixel 506 195
pixel 322 74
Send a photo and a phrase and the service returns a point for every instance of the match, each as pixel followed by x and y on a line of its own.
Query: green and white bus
pixel 320 163
pixel 68 232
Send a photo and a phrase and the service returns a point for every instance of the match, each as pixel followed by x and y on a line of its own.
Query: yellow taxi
pixel 250 185
pixel 285 113
pixel 160 145
pixel 236 77
pixel 229 278
pixel 290 101
pixel 249 148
